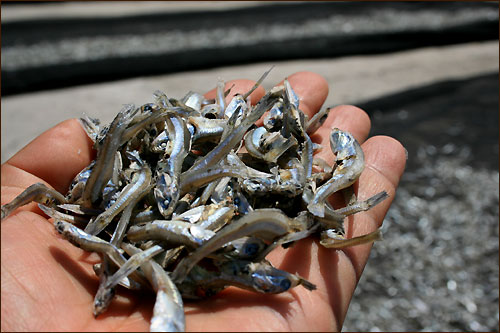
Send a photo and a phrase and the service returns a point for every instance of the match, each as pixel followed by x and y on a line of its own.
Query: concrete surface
pixel 352 80
pixel 91 9
pixel 51 53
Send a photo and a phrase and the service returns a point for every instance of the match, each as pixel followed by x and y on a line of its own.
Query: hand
pixel 49 284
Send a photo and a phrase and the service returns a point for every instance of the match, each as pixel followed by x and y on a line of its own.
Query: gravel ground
pixel 437 269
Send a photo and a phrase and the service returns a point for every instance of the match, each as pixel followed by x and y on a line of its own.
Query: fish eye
pixel 59 226
pixel 251 249
pixel 165 203
pixel 161 181
pixel 285 284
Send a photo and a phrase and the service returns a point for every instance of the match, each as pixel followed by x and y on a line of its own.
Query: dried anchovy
pixel 173 188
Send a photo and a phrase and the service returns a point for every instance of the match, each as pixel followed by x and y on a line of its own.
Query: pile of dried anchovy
pixel 187 197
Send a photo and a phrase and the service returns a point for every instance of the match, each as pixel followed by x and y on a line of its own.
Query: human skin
pixel 47 284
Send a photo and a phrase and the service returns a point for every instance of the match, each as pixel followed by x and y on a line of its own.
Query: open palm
pixel 47 284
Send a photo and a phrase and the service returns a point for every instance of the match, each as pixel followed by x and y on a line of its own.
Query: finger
pixel 385 160
pixel 241 87
pixel 340 270
pixel 347 118
pixel 312 90
pixel 55 156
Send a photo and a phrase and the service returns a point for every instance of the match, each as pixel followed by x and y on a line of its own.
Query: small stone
pixel 451 285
